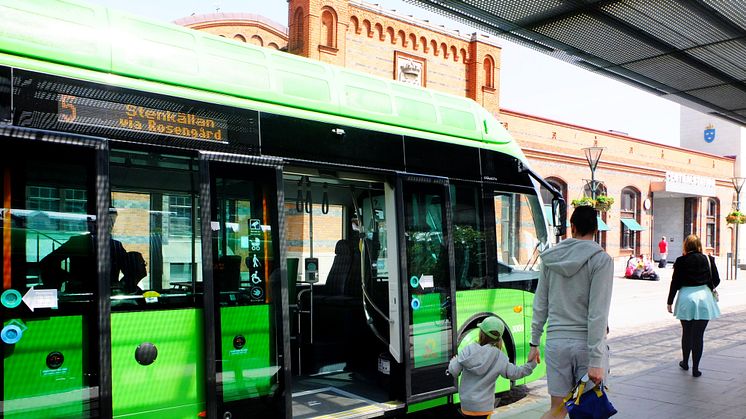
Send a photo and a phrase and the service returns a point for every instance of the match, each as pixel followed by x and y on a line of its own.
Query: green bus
pixel 196 227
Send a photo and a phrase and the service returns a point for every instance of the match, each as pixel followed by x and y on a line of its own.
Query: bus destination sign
pixel 129 117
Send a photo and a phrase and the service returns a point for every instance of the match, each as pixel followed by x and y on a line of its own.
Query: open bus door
pixel 55 345
pixel 427 289
pixel 246 317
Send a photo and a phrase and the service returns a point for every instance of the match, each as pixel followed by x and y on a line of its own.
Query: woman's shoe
pixel 683 365
pixel 696 373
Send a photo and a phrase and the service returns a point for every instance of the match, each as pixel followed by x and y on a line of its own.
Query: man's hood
pixel 567 257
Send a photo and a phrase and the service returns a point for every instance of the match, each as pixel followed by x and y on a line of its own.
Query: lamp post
pixel 593 155
pixel 737 185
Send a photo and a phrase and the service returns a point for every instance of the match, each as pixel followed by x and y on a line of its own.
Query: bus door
pixel 423 212
pixel 50 216
pixel 245 318
pixel 157 318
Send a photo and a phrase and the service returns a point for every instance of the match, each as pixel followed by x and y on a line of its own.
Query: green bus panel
pixel 429 338
pixel 173 385
pixel 503 303
pixel 33 390
pixel 528 311
pixel 246 372
pixel 429 404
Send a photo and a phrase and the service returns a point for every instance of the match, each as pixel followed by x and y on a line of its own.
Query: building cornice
pixel 211 20
pixel 424 24
pixel 613 135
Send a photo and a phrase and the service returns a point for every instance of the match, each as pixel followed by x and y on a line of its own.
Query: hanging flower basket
pixel 604 203
pixel 735 217
pixel 584 201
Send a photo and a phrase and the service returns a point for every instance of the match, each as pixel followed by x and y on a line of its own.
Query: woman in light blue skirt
pixel 695 277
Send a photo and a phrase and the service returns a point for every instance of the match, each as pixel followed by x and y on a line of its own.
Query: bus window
pixel 468 238
pixel 521 235
pixel 156 225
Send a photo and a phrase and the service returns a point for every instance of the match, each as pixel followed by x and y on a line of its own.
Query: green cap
pixel 492 327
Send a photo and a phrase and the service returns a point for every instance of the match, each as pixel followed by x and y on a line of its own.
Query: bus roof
pixel 91 37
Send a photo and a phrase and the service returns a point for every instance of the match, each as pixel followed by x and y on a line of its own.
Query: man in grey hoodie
pixel 573 298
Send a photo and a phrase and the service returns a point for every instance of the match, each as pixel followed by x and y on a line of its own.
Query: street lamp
pixel 737 185
pixel 593 155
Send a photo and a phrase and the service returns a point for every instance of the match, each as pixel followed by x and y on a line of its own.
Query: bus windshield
pixel 521 235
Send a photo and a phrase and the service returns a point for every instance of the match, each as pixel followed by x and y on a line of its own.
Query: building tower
pixel 317 29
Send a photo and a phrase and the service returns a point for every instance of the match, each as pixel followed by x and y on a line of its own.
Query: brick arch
pixel 328 27
pixel 464 55
pixel 402 37
pixel 379 31
pixel 257 40
pixel 366 28
pixel 413 41
pixel 444 50
pixel 454 53
pixel 355 24
pixel 423 41
pixel 392 34
pixel 434 47
pixel 239 37
pixel 273 45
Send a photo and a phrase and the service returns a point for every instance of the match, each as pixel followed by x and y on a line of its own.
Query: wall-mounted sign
pixel 685 183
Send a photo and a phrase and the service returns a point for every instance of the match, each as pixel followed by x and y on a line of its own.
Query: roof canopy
pixel 690 51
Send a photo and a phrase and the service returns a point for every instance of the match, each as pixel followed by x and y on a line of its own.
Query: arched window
pixel 711 225
pixel 355 24
pixel 629 214
pixel 239 37
pixel 489 72
pixel 329 28
pixel 546 197
pixel 297 37
pixel 257 40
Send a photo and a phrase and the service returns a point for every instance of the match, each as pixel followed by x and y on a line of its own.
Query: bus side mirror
pixel 559 216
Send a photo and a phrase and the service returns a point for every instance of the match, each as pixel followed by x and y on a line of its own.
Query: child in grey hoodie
pixel 479 365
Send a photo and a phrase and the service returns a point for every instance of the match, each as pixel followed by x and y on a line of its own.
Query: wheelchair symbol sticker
pixel 255 278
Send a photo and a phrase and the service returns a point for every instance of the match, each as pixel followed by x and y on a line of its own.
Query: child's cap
pixel 492 327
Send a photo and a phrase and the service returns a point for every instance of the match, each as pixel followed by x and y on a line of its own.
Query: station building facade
pixel 658 190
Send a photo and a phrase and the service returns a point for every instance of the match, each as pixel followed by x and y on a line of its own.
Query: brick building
pixel 658 190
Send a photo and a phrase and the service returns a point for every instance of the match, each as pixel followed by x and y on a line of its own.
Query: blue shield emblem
pixel 710 135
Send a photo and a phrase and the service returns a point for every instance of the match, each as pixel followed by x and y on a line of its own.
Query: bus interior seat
pixel 336 280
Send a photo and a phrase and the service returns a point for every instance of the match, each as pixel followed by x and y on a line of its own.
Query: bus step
pixel 333 403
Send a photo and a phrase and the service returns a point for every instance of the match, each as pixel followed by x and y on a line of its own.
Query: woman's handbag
pixel 593 404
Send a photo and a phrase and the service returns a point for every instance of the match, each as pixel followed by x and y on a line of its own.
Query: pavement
pixel 645 380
